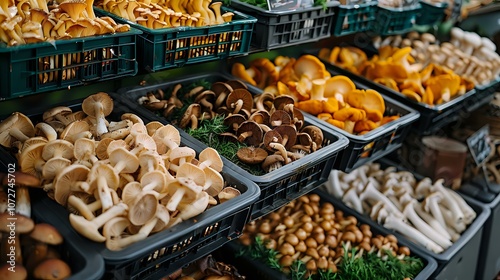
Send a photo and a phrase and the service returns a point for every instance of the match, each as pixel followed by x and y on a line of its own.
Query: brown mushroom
pixel 251 155
pixel 16 127
pixel 250 133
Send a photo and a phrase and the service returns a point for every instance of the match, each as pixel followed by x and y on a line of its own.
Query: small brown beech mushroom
pixel 239 99
pixel 233 121
pixel 272 162
pixel 288 135
pixel 280 117
pixel 20 273
pixel 251 155
pixel 191 116
pixel 90 229
pixel 206 99
pixel 221 91
pixel 52 269
pixel 98 105
pixel 250 132
pixel 16 127
pixel 44 236
pixel 316 135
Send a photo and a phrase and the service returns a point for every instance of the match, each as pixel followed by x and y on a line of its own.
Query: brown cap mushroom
pixel 251 155
pixel 52 269
pixel 250 133
pixel 239 99
pixel 191 116
pixel 228 193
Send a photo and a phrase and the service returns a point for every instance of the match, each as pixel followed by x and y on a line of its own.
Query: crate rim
pixel 439 5
pixel 416 6
pixel 357 6
pixel 245 19
pixel 6 49
pixel 340 144
pixel 329 4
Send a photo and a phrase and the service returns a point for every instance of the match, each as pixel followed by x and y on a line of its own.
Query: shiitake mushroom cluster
pixel 165 14
pixel 129 178
pixel 32 21
pixel 317 234
pixel 272 128
pixel 30 252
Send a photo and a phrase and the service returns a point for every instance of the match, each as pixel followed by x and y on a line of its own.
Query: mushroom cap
pixel 67 177
pixel 316 134
pixel 234 120
pixel 84 147
pixel 282 100
pixel 143 208
pixel 52 269
pixel 228 193
pixel 215 179
pixel 73 128
pixel 279 117
pixel 89 104
pixel 46 233
pixel 270 160
pixel 130 192
pixel 238 70
pixel 65 148
pixel 151 127
pixel 101 150
pixel 310 66
pixel 29 158
pixel 51 113
pixel 106 171
pixel 338 84
pixel 272 136
pixel 193 172
pixel 121 155
pixel 23 179
pixel 16 120
pixel 366 99
pixel 115 144
pixel 163 218
pixel 287 132
pixel 211 155
pixel 146 141
pixel 23 223
pixel 193 109
pixel 189 210
pixel 182 152
pixel 115 227
pixel 251 155
pixel 53 166
pixel 206 94
pixel 155 177
pixel 255 138
pixel 166 132
pixel 240 94
pixel 20 272
pixel 236 84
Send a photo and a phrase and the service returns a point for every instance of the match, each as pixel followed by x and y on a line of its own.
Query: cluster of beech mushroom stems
pixel 468 54
pixel 316 233
pixel 33 21
pixel 36 255
pixel 335 100
pixel 129 178
pixel 273 129
pixel 426 212
pixel 155 14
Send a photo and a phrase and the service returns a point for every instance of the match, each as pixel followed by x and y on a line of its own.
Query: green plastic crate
pixel 354 18
pixel 174 47
pixel 431 13
pixel 392 21
pixel 41 67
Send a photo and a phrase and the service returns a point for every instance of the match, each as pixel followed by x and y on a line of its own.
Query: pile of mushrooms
pixel 335 100
pixel 36 255
pixel 33 21
pixel 468 54
pixel 271 127
pixel 316 233
pixel 167 14
pixel 426 212
pixel 398 70
pixel 129 178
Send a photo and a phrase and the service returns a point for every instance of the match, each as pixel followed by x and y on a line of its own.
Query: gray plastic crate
pixel 488 263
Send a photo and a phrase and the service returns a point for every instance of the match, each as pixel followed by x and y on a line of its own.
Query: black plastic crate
pixel 164 252
pixel 431 13
pixel 392 21
pixel 277 187
pixel 459 260
pixel 175 47
pixel 354 18
pixel 85 263
pixel 41 67
pixel 249 266
pixel 432 118
pixel 277 29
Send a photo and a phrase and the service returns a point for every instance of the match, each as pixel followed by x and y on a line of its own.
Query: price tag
pixel 479 145
pixel 288 5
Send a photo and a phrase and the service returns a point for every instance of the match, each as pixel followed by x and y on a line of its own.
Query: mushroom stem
pixel 469 213
pixel 394 223
pixel 424 227
pixel 441 229
pixel 115 244
pixel 23 205
pixel 433 208
pixel 333 184
pixel 18 134
pixel 104 193
pixel 100 120
pixel 175 199
pixel 86 210
pixel 371 193
pixel 351 199
pixel 449 202
pixel 90 229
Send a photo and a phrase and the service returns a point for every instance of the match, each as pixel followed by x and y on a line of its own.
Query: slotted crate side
pixel 164 252
pixel 354 18
pixel 42 67
pixel 277 187
pixel 174 47
pixel 276 29
pixel 391 21
pixel 431 13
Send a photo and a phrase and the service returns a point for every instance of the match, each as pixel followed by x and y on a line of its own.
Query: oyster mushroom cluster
pixel 36 255
pixel 167 14
pixel 335 100
pixel 427 212
pixel 129 178
pixel 272 128
pixel 33 21
pixel 317 234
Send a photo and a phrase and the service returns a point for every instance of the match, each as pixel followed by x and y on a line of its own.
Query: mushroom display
pixel 207 268
pixel 397 67
pixel 35 21
pixel 426 212
pixel 117 172
pixel 335 100
pixel 318 235
pixel 269 131
pixel 168 14
pixel 468 54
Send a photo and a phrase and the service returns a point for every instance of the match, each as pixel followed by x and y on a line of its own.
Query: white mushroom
pixel 431 205
pixel 332 186
pixel 432 221
pixel 469 213
pixel 352 200
pixel 373 194
pixel 449 202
